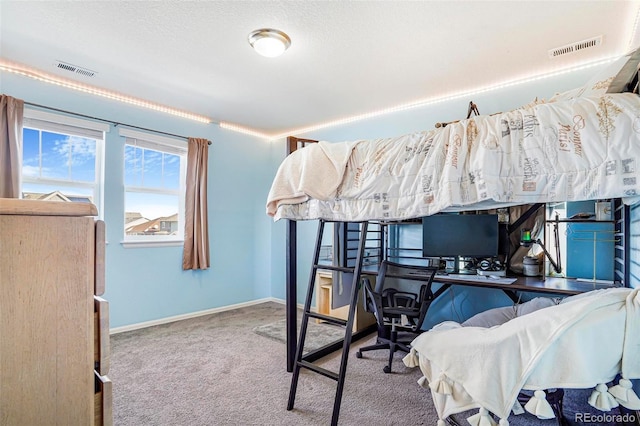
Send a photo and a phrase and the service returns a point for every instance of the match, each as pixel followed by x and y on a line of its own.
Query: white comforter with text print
pixel 580 149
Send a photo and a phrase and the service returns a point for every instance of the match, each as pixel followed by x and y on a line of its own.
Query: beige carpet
pixel 318 334
pixel 215 370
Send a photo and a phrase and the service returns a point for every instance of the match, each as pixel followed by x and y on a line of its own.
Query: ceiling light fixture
pixel 269 42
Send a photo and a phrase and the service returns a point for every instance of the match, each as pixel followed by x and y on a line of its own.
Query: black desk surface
pixel 550 285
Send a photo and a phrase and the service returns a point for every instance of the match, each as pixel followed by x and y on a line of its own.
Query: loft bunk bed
pixel 580 145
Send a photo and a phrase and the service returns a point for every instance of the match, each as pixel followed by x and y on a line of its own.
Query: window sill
pixel 146 244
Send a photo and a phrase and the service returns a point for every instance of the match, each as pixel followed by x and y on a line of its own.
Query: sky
pixel 71 161
pixel 62 157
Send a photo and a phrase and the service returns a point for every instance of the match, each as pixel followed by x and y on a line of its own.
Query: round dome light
pixel 269 42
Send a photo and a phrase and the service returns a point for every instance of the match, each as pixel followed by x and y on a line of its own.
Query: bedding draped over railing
pixel 196 233
pixel 11 116
pixel 573 150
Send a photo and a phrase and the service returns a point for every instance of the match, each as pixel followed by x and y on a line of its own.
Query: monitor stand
pixel 457 266
pixel 451 266
pixel 466 266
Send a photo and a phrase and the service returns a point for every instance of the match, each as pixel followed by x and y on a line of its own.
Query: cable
pixel 453 305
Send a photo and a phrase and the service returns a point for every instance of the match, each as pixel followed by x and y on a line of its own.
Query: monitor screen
pixel 466 235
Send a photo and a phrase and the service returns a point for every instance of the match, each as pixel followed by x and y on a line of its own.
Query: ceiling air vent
pixel 575 47
pixel 74 69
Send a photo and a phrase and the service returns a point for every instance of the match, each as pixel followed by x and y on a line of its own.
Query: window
pixel 154 186
pixel 62 158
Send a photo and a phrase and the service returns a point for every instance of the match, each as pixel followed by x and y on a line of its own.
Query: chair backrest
pixel 405 285
pixel 405 299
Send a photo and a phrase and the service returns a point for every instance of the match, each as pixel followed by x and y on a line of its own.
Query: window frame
pixel 167 145
pixel 69 126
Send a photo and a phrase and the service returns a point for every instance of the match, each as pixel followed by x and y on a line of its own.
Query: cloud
pixel 74 151
pixel 30 170
pixel 156 168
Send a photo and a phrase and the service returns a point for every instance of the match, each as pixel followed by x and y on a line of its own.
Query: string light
pixel 48 78
pixel 435 100
pixel 244 130
pixel 92 90
pixel 634 30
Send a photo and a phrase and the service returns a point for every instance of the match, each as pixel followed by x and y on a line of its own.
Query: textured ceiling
pixel 346 58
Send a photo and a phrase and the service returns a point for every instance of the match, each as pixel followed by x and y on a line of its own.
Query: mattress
pixel 581 148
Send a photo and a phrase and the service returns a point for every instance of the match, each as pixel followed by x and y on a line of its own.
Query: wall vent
pixel 575 47
pixel 74 69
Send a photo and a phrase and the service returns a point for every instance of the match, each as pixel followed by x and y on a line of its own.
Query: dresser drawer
pixel 103 405
pixel 101 344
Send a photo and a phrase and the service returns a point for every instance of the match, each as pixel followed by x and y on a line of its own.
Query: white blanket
pixel 578 149
pixel 313 171
pixel 578 344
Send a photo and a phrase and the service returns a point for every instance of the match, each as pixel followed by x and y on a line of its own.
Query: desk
pixel 546 285
pixel 324 295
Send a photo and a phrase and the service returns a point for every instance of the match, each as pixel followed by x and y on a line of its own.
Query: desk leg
pixel 512 295
pixel 441 290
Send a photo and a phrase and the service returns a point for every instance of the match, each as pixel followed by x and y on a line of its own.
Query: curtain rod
pixel 115 123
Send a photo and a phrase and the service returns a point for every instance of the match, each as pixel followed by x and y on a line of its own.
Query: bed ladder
pixel 300 361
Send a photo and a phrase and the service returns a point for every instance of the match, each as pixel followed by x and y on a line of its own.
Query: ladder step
pixel 300 361
pixel 333 267
pixel 319 370
pixel 332 320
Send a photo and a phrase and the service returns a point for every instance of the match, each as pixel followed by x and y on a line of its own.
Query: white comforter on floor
pixel 578 344
pixel 579 149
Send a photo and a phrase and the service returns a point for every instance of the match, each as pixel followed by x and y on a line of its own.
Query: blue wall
pixel 146 284
pixel 248 249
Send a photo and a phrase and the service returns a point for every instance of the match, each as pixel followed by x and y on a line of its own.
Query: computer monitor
pixel 464 235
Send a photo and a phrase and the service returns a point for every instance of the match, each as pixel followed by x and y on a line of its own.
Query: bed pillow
pixel 498 316
pixel 491 318
pixel 535 304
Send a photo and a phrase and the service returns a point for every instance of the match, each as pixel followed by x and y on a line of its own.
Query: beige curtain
pixel 11 114
pixel 196 231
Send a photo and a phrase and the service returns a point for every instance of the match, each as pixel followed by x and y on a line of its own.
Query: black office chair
pixel 399 302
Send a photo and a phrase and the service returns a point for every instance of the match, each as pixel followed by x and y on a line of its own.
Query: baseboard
pixel 284 302
pixel 167 320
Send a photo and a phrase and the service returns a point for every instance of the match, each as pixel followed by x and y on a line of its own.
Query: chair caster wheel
pixel 358 354
pixel 387 369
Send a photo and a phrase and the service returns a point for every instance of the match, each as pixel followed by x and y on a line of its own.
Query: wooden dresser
pixel 54 326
